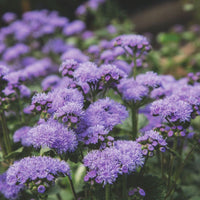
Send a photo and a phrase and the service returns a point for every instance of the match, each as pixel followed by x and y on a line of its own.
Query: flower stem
pixel 134 112
pixel 107 192
pixel 6 144
pixel 72 188
pixel 179 173
pixel 124 185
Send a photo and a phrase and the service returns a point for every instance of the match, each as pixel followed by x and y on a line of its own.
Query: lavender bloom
pixel 152 140
pixel 105 112
pixel 9 191
pixel 60 96
pixel 102 169
pixel 110 73
pixel 32 169
pixel 67 67
pixel 74 27
pixel 75 54
pixel 87 73
pixel 107 56
pixel 20 135
pixel 50 82
pixel 9 17
pixel 87 35
pixel 54 135
pixel 41 189
pixel 55 45
pixel 173 109
pixel 81 10
pixel 37 69
pixel 94 49
pixel 132 90
pixel 94 135
pixel 25 92
pixel 15 51
pixel 130 155
pixel 3 70
pixel 123 65
pixel 105 166
pixel 111 29
pixel 150 79
pixel 138 43
pixel 41 102
pixel 70 113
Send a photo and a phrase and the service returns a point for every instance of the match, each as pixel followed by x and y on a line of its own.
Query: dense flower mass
pixel 9 191
pixel 106 165
pixel 52 134
pixel 105 112
pixel 132 90
pixel 138 43
pixel 33 169
pixel 152 140
pixel 149 79
pixel 172 109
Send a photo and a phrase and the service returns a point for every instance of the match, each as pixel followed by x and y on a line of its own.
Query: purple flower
pixel 75 54
pixel 69 113
pixel 131 90
pixel 9 191
pixel 67 67
pixel 111 72
pixel 105 166
pixel 138 43
pixel 105 112
pixel 20 135
pixel 33 169
pixel 150 79
pixel 41 189
pixel 93 134
pixel 55 45
pixel 142 192
pixel 74 27
pixel 60 96
pixel 87 72
pixel 173 109
pixel 9 17
pixel 50 82
pixel 54 135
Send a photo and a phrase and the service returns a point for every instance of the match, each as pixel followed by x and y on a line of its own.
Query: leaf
pixel 14 153
pixel 44 150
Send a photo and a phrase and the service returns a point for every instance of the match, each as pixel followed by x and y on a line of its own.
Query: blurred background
pixel 153 16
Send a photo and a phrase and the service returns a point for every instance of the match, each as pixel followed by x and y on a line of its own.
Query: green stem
pixel 6 139
pixel 179 172
pixel 172 157
pixel 124 186
pixel 134 68
pixel 58 196
pixel 107 192
pixel 162 164
pixel 134 112
pixel 2 145
pixel 72 188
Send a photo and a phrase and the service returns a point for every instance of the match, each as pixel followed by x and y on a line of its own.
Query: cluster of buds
pixel 193 78
pixel 168 131
pixel 136 193
pixel 67 67
pixel 152 141
pixel 41 103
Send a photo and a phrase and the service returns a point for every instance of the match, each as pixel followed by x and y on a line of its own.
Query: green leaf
pixel 14 153
pixel 44 150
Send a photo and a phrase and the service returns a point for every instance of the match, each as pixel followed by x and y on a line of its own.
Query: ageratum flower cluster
pixel 9 191
pixel 36 172
pixel 151 141
pixel 106 165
